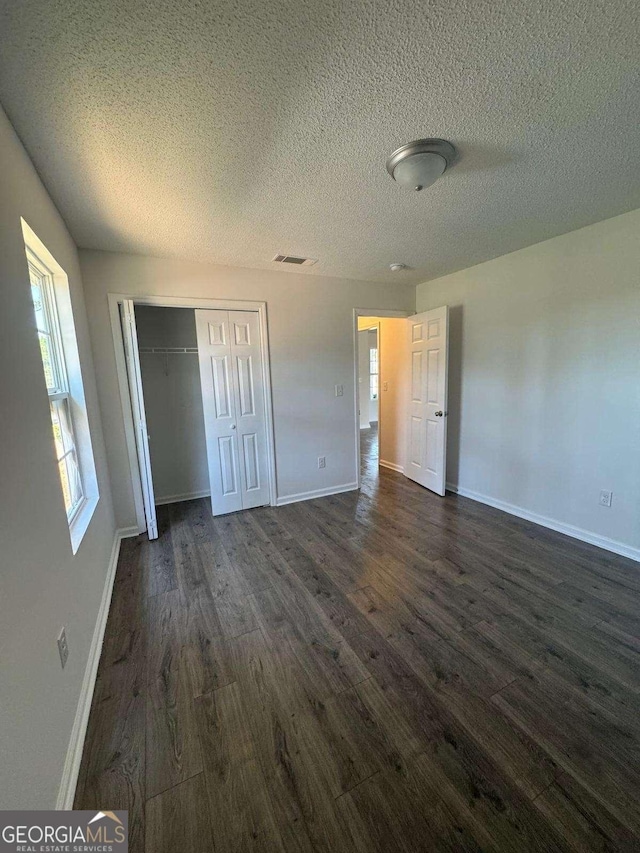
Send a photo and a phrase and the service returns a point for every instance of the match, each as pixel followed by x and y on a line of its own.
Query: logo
pixel 64 832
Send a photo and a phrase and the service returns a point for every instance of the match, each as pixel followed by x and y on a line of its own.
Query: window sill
pixel 81 521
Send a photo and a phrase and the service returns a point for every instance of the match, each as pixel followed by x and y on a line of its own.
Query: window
pixel 61 364
pixel 373 372
pixel 55 373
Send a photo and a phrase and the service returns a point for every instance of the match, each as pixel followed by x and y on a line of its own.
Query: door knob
pixel 439 414
pixel 233 426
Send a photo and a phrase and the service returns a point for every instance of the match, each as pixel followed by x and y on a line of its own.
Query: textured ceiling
pixel 232 130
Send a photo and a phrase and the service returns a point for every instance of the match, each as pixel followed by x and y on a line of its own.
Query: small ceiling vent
pixel 292 259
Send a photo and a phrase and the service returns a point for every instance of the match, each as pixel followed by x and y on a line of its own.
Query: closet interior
pixel 170 375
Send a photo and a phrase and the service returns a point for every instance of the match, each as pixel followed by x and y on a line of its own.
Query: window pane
pixel 57 430
pixel 66 454
pixel 46 323
pixel 46 351
pixel 373 384
pixel 62 430
pixel 66 490
pixel 75 485
pixel 37 294
pixel 70 481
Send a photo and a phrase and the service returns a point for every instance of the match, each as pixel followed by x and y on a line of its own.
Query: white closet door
pixel 250 407
pixel 426 453
pixel 234 408
pixel 218 401
pixel 132 354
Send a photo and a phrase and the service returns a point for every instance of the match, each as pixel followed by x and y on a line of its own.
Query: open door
pixel 130 336
pixel 427 404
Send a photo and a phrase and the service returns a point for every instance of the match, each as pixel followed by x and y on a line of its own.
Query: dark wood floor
pixel 377 671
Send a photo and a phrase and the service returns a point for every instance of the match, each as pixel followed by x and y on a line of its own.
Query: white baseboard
pixel 188 496
pixel 560 527
pixel 128 532
pixel 391 465
pixel 318 493
pixel 67 790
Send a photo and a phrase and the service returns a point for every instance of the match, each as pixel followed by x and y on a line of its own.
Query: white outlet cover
pixel 605 497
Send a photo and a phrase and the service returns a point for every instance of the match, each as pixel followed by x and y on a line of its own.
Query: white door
pixel 427 414
pixel 233 398
pixel 364 360
pixel 130 335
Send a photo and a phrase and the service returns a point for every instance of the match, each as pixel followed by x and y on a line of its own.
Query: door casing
pixel 115 299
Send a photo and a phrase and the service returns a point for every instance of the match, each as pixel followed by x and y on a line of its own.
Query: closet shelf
pixel 169 350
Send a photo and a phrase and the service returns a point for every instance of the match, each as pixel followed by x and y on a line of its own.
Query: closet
pixel 173 402
pixel 197 388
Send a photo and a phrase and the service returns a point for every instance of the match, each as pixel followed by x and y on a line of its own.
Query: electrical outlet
pixel 605 498
pixel 339 390
pixel 385 386
pixel 322 461
pixel 63 648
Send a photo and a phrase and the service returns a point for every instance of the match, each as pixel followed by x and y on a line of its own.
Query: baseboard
pixel 318 493
pixel 560 527
pixel 67 791
pixel 188 496
pixel 128 532
pixel 391 465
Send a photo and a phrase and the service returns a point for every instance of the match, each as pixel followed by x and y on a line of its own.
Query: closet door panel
pixel 219 396
pixel 246 397
pixel 250 407
pixel 251 461
pixel 222 398
pixel 228 467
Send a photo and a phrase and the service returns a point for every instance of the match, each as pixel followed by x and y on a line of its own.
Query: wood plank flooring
pixel 376 671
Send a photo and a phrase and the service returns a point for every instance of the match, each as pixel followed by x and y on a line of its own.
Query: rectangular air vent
pixel 292 259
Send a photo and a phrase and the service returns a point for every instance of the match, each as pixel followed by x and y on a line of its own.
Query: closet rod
pixel 168 350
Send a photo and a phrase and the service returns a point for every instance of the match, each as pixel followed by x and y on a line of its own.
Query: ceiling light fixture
pixel 397 267
pixel 419 164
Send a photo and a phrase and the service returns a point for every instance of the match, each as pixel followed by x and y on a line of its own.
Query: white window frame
pixel 59 396
pixel 66 394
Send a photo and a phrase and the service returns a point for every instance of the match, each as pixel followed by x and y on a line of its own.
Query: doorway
pixel 196 400
pixel 411 404
pixel 369 382
pixel 380 386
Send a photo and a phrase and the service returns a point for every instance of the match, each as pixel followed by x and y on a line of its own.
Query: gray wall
pixel 173 403
pixel 544 386
pixel 43 586
pixel 311 339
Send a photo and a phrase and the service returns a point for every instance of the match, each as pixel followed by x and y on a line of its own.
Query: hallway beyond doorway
pixel 369 453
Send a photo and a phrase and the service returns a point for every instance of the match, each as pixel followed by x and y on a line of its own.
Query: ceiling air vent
pixel 292 259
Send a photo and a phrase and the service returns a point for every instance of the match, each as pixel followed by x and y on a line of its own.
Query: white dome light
pixel 419 164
